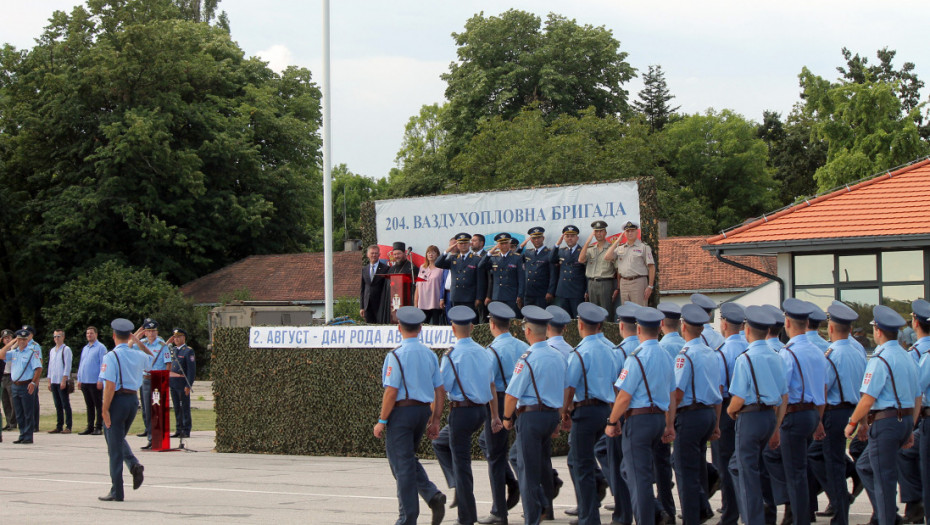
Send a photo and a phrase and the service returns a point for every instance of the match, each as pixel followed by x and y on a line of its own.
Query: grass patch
pixel 201 419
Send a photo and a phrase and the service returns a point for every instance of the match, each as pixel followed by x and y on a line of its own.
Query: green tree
pixel 423 159
pixel 719 159
pixel 132 132
pixel 349 191
pixel 654 98
pixel 793 154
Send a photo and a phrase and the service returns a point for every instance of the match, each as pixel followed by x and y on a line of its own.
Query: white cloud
pixel 278 57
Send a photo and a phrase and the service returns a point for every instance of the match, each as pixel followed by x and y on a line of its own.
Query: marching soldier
pixel 505 271
pixel 712 337
pixel 537 266
pixel 569 292
pixel 921 324
pixel 600 273
pixel 554 330
pixel 468 282
pixel 732 317
pixel 779 323
pixel 814 320
pixel 671 340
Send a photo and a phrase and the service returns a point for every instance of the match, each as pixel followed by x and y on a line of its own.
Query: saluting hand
pixel 560 240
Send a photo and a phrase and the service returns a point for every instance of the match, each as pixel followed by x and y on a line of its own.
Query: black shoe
pixel 714 486
pixel 438 505
pixel 18 441
pixel 137 476
pixel 556 484
pixel 827 512
pixel 25 442
pixel 573 521
pixel 513 494
pixel 141 435
pixel 856 490
pixel 8 427
pixel 455 500
pixel 601 489
pixel 788 517
pixel 176 435
pixel 110 497
pixel 86 432
pixel 572 511
pixel 186 435
pixel 706 516
pixel 493 520
pixel 914 512
pixel 147 446
pixel 548 514
pixel 97 432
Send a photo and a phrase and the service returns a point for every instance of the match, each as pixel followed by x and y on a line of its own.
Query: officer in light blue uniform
pixel 779 317
pixel 806 369
pixel 541 275
pixel 159 360
pixel 845 368
pixel 645 385
pixel 505 271
pixel 37 350
pixel 814 321
pixel 592 371
pixel 712 337
pixel 922 345
pixel 695 401
pixel 25 371
pixel 121 373
pixel 469 285
pixel 556 325
pixel 411 378
pixel 889 394
pixel 758 386
pixel 921 324
pixel 468 376
pixel 572 284
pixel 535 397
pixel 909 460
pixel 671 341
pixel 732 316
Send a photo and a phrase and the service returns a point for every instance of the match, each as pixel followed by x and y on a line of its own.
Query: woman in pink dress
pixel 429 291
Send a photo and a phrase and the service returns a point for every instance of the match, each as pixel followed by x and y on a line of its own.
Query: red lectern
pixel 161 422
pixel 400 292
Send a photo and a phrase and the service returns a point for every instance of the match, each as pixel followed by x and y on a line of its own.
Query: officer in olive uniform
pixel 569 292
pixel 505 271
pixel 468 283
pixel 537 265
pixel 600 273
pixel 180 381
pixel 889 396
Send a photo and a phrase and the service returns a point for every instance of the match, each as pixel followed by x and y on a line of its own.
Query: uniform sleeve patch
pixel 519 368
pixel 103 367
pixel 867 379
pixel 388 374
pixel 525 355
pixel 679 362
pixel 623 374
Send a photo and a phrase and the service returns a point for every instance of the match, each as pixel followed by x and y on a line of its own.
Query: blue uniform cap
pixel 887 319
pixel 704 302
pixel 842 314
pixel 536 315
pixel 499 310
pixel 777 315
pixel 671 310
pixel 122 327
pixel 149 323
pixel 921 311
pixel 180 331
pixel 649 317
pixel 500 237
pixel 30 329
pixel 599 225
pixel 408 315
pixel 627 312
pixel 760 317
pixel 733 313
pixel 536 231
pixel 817 315
pixel 630 225
pixel 22 333
pixel 461 314
pixel 797 309
pixel 591 313
pixel 559 316
pixel 571 228
pixel 694 315
pixel 462 237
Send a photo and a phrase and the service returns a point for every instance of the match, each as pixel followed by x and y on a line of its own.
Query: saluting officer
pixel 592 371
pixel 159 359
pixel 712 337
pixel 505 349
pixel 468 283
pixel 25 371
pixel 405 415
pixel 121 373
pixel 887 404
pixel 535 397
pixel 732 317
pixel 600 272
pixel 805 369
pixel 921 324
pixel 569 292
pixel 758 399
pixel 814 320
pixel 537 265
pixel 645 385
pixel 694 412
pixel 636 266
pixel 505 271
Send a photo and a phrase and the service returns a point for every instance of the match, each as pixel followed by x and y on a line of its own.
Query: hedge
pixel 318 402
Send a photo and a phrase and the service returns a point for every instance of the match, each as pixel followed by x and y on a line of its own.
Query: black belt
pixel 126 391
pixel 925 412
pixel 838 406
pixel 461 404
pixel 410 403
pixel 21 383
pixel 589 402
pixel 535 408
pixel 799 407
pixel 633 278
pixel 877 415
pixel 641 411
pixel 599 279
pixel 755 407
pixel 693 406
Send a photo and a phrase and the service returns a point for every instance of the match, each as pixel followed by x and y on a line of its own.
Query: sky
pixel 387 55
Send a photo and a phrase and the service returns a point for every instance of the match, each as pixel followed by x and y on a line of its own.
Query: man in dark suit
pixel 372 286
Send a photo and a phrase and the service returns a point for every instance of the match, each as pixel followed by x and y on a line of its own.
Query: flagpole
pixel 327 173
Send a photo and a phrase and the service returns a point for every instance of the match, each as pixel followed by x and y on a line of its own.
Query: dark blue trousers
pixel 534 446
pixel 722 450
pixel 122 412
pixel 535 300
pixel 692 430
pixel 877 465
pixel 443 452
pixel 909 478
pixel 147 405
pixel 787 465
pixel 569 304
pixel 463 423
pixel 924 446
pixel 402 436
pixel 663 473
pixel 640 435
pixel 623 506
pixel 182 405
pixel 834 459
pixel 587 428
pixel 496 447
pixel 23 404
pixel 753 430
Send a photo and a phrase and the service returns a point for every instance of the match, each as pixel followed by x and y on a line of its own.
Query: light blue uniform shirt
pixel 558 342
pixel 696 365
pixel 126 372
pixel 161 355
pixel 857 345
pixel 91 360
pixel 672 343
pixel 814 337
pixel 36 348
pixel 418 374
pixel 877 380
pixel 923 378
pixel 732 347
pixel 742 336
pixel 507 350
pixel 920 347
pixel 600 368
pixel 770 374
pixel 660 374
pixel 813 367
pixel 475 369
pixel 775 343
pixel 23 363
pixel 548 367
pixel 625 348
pixel 712 338
pixel 850 367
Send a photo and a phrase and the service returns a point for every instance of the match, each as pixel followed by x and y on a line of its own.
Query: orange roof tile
pixel 889 204
pixel 684 266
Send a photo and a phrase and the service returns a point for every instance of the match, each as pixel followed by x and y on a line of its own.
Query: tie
pixel 373 271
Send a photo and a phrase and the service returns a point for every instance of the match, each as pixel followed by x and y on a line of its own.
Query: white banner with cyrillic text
pixel 379 336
